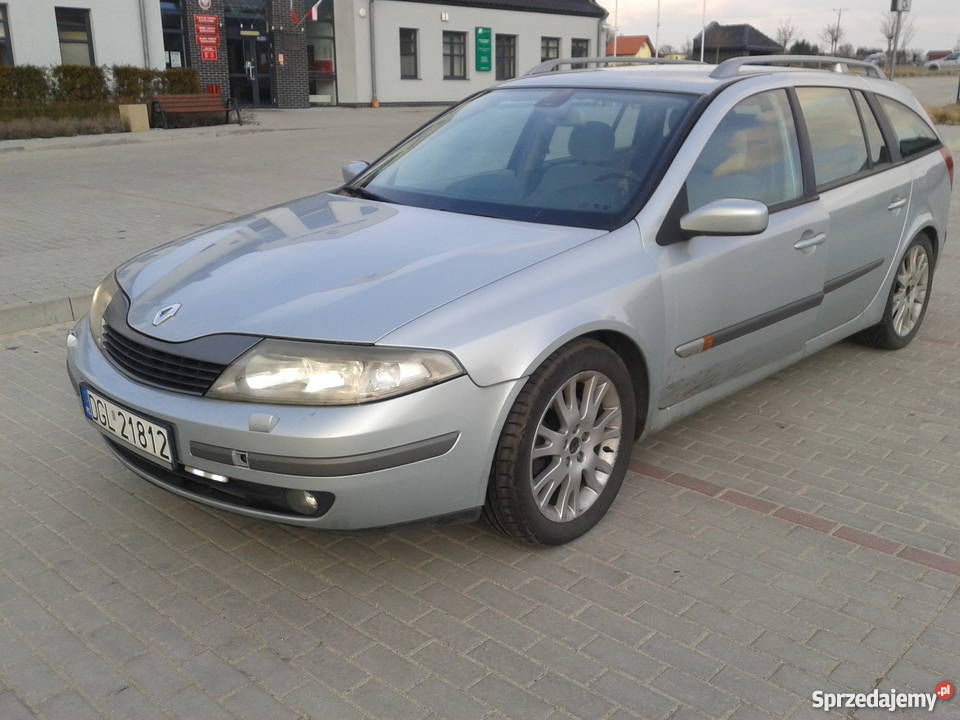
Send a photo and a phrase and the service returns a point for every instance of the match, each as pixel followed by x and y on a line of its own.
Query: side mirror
pixel 727 217
pixel 353 168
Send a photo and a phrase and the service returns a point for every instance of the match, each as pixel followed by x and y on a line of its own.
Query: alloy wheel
pixel 910 294
pixel 576 445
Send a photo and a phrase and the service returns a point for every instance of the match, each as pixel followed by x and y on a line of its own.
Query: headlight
pixel 102 297
pixel 303 373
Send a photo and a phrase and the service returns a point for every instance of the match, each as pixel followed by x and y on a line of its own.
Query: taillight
pixel 948 158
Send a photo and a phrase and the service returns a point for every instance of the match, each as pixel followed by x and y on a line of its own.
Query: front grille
pixel 240 493
pixel 158 368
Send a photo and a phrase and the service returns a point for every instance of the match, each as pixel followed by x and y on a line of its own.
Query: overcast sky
pixel 937 22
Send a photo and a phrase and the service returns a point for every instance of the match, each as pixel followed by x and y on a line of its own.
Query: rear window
pixel 914 135
pixel 567 156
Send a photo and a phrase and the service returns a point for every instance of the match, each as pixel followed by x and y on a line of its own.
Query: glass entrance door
pixel 249 52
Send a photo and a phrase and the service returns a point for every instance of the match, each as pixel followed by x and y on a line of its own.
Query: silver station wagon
pixel 486 319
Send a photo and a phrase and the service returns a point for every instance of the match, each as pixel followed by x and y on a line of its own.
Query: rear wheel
pixel 564 448
pixel 907 302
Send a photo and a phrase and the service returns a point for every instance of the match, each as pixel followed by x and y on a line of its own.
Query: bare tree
pixel 833 34
pixel 888 28
pixel 786 32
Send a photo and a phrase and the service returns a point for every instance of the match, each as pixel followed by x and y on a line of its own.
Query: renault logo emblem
pixel 166 313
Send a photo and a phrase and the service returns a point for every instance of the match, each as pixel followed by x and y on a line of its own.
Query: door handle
pixel 897 204
pixel 811 242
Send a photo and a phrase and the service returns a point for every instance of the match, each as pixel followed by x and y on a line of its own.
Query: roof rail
pixel 730 68
pixel 551 65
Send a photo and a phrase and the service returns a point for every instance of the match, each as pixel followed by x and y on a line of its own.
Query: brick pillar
pixel 212 72
pixel 290 81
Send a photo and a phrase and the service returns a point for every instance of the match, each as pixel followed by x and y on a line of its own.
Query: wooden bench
pixel 164 105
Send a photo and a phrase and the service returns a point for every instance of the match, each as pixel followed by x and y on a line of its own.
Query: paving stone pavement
pixel 803 534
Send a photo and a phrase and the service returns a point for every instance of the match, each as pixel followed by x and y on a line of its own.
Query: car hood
pixel 328 267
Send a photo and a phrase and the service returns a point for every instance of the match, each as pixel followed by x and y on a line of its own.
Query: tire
pixel 889 333
pixel 577 459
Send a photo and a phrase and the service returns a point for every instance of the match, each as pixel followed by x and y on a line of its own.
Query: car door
pixel 736 304
pixel 866 196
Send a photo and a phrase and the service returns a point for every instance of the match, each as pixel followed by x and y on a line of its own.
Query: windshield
pixel 577 157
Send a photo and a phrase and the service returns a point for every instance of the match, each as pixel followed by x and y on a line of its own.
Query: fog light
pixel 207 475
pixel 302 501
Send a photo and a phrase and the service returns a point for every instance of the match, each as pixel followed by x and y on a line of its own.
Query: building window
pixel 549 48
pixel 174 48
pixel 506 57
pixel 454 55
pixel 321 55
pixel 579 47
pixel 409 65
pixel 6 54
pixel 73 26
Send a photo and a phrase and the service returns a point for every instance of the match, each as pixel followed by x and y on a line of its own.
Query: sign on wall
pixel 207 30
pixel 484 43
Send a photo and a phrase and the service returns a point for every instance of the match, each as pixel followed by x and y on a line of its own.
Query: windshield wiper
pixel 363 193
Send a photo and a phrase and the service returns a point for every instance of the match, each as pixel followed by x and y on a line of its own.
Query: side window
pixel 753 154
pixel 879 152
pixel 836 138
pixel 913 134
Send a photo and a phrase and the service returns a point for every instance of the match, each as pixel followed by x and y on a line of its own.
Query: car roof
pixel 696 78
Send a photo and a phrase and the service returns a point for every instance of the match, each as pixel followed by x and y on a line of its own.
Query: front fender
pixel 505 330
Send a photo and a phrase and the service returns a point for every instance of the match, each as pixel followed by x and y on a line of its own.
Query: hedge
pixel 78 83
pixel 34 86
pixel 133 84
pixel 77 99
pixel 23 83
pixel 180 81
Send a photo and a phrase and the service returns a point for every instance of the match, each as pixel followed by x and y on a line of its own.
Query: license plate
pixel 134 430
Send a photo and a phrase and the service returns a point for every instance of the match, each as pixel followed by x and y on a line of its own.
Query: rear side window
pixel 753 154
pixel 879 152
pixel 836 138
pixel 913 134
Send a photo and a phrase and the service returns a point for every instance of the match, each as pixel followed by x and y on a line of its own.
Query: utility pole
pixel 899 7
pixel 703 31
pixel 896 45
pixel 836 34
pixel 656 36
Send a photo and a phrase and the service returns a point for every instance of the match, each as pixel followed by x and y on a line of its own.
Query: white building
pixel 427 52
pixel 348 52
pixel 94 32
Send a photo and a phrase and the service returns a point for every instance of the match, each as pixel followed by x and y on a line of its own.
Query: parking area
pixel 801 535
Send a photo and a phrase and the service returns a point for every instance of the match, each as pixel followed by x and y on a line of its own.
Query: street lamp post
pixel 616 26
pixel 656 36
pixel 703 30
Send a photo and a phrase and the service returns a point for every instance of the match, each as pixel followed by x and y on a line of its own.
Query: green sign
pixel 484 42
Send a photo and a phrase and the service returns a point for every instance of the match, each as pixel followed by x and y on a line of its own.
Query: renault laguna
pixel 487 318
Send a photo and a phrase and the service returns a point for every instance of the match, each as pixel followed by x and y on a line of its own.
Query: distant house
pixel 728 41
pixel 631 46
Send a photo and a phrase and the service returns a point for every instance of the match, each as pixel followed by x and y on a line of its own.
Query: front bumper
pixel 379 461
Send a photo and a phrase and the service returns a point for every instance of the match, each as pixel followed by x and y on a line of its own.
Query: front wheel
pixel 565 446
pixel 907 302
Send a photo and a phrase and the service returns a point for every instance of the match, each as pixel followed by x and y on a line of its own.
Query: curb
pixel 118 139
pixel 49 312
